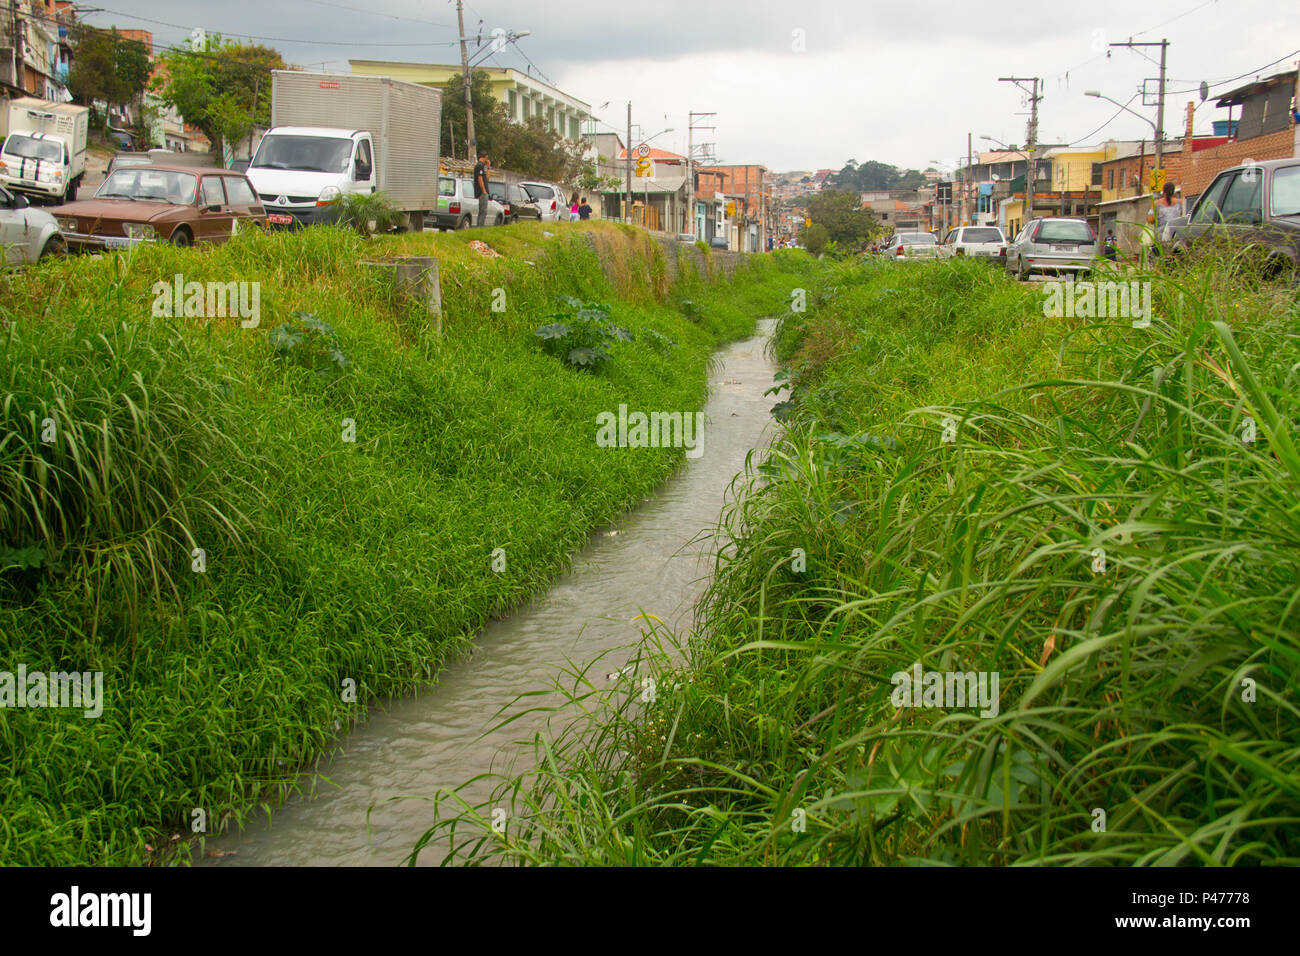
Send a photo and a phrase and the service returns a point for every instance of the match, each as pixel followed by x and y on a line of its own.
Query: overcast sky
pixel 800 85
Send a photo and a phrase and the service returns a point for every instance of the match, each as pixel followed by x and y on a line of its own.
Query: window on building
pixel 550 118
pixel 1096 174
pixel 1110 179
pixel 512 104
pixel 1123 179
pixel 573 127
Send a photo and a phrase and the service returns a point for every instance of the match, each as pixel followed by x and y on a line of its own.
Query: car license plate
pixel 279 219
pixel 1062 248
pixel 116 242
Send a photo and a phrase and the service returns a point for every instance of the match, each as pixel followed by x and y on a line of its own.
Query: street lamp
pixel 498 43
pixel 1155 130
pixel 1096 94
pixel 1029 172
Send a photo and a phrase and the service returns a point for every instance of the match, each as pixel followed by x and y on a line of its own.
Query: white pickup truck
pixel 332 134
pixel 44 155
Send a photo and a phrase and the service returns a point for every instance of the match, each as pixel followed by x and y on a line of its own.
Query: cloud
pixel 896 82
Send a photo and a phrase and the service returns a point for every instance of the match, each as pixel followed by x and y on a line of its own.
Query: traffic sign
pixel 643 150
pixel 645 167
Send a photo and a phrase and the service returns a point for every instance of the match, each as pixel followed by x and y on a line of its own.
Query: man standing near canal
pixel 481 184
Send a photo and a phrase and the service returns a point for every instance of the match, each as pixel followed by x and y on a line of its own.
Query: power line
pixel 1234 79
pixel 376 13
pixel 251 36
pixel 1105 124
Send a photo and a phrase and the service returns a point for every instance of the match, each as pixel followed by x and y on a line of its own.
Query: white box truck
pixel 44 155
pixel 334 133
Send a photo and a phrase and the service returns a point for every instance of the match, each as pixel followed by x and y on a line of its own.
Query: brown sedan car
pixel 166 203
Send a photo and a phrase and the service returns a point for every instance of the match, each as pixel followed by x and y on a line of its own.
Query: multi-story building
pixel 524 96
pixel 745 187
pixel 35 48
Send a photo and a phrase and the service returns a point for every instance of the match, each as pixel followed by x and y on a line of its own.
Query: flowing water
pixel 654 561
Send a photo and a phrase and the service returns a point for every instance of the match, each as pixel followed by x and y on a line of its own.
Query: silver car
pixel 1052 245
pixel 27 234
pixel 549 199
pixel 911 245
pixel 457 207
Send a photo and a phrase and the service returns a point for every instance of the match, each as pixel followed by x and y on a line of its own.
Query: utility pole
pixel 1160 99
pixel 464 65
pixel 690 167
pixel 627 152
pixel 971 214
pixel 1032 135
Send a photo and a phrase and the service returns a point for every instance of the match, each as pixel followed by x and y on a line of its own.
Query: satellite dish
pixel 1205 90
pixel 997 178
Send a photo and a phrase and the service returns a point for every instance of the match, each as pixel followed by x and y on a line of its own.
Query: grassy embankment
pixel 1100 532
pixel 326 561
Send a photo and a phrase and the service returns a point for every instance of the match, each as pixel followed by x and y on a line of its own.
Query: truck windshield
pixel 316 154
pixel 46 150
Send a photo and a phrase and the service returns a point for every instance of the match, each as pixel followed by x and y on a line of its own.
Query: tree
pixel 873 175
pixel 814 238
pixel 107 66
pixel 225 91
pixel 489 116
pixel 843 218
pixel 527 147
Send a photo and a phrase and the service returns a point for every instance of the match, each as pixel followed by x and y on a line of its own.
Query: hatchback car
pixel 911 245
pixel 983 242
pixel 514 201
pixel 457 207
pixel 549 199
pixel 27 234
pixel 177 204
pixel 1256 204
pixel 1052 245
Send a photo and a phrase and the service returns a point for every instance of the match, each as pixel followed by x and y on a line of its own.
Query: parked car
pixel 911 245
pixel 164 156
pixel 718 242
pixel 984 242
pixel 1251 205
pixel 1052 244
pixel 27 234
pixel 457 207
pixel 514 201
pixel 177 204
pixel 550 201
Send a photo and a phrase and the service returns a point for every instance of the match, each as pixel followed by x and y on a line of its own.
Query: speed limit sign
pixel 643 150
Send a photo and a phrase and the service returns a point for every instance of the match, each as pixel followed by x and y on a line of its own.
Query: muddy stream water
pixel 655 561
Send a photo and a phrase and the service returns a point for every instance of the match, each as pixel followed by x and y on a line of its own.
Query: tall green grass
pixel 1148 704
pixel 333 572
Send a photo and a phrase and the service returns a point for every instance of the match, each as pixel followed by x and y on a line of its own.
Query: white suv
pixel 986 242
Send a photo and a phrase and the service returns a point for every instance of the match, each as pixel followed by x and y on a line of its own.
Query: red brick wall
pixel 1202 166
